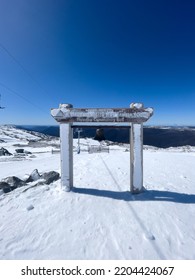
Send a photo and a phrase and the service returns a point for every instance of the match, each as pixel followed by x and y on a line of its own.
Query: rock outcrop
pixel 4 152
pixel 11 183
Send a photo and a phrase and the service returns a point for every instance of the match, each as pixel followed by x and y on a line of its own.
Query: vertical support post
pixel 66 142
pixel 136 158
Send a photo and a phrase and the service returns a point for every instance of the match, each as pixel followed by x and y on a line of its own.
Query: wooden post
pixel 136 158
pixel 66 142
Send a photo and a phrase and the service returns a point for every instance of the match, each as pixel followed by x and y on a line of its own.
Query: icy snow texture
pixel 100 219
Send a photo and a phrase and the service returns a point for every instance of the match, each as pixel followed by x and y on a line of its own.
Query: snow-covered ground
pixel 99 218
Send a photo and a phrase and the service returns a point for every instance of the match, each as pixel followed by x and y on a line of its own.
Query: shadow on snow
pixel 146 195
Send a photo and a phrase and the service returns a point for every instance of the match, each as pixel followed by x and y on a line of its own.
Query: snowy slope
pixel 99 219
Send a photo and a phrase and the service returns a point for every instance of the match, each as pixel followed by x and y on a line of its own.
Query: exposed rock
pixel 50 177
pixel 4 152
pixel 8 189
pixel 19 151
pixel 22 151
pixel 13 182
pixel 27 152
pixel 5 187
pixel 34 176
pixel 10 183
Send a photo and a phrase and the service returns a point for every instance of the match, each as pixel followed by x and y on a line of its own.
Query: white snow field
pixel 99 219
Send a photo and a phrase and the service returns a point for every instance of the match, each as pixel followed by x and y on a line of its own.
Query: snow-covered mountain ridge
pixel 8 132
pixel 99 218
pixel 158 136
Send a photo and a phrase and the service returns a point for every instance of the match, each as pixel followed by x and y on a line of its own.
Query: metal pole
pixel 78 143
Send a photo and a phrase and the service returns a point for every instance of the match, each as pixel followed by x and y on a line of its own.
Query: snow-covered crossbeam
pixel 136 114
pixel 66 115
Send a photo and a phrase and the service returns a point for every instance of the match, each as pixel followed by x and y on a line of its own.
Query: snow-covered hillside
pixel 99 218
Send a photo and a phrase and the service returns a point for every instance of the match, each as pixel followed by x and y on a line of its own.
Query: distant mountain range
pixel 162 137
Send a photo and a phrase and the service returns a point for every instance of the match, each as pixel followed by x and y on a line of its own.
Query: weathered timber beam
pixel 102 115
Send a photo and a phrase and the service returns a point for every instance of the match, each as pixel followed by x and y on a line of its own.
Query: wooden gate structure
pixel 134 117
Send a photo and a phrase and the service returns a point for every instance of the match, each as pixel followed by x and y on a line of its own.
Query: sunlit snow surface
pixel 99 219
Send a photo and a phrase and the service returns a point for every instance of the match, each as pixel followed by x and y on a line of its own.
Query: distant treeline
pixel 153 136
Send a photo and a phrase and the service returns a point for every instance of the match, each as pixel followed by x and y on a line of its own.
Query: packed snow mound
pixel 99 218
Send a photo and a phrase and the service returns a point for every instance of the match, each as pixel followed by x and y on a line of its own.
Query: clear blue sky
pixel 97 53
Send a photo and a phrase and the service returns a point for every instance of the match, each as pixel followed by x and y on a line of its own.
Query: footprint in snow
pixel 149 236
pixel 30 207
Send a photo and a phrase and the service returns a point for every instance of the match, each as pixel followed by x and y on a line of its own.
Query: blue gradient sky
pixel 97 53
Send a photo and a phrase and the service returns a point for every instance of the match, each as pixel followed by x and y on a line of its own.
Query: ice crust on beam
pixel 69 115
